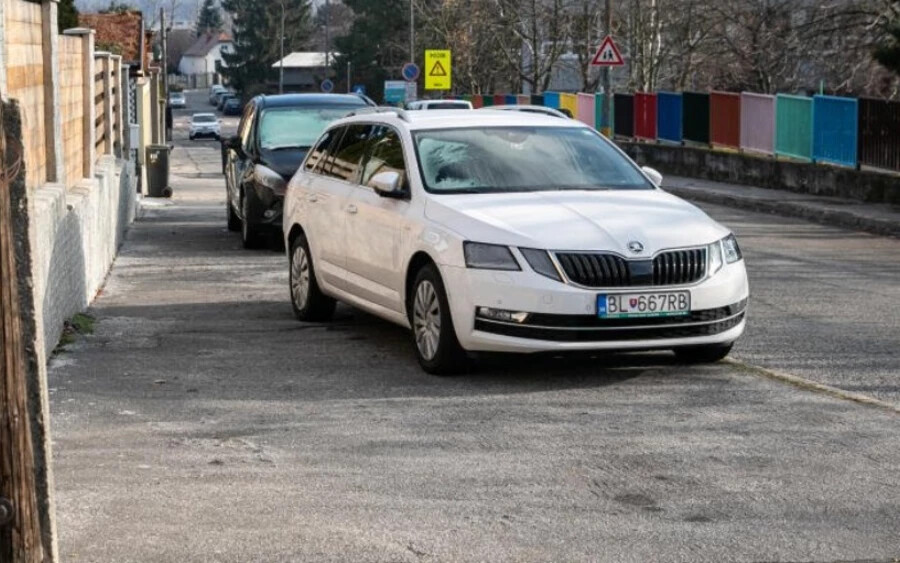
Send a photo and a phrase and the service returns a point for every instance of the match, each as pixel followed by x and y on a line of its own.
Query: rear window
pixel 204 119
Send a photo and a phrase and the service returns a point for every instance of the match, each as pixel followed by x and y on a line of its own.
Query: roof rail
pixel 380 109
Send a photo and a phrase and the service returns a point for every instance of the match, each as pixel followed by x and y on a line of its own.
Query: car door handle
pixel 312 198
pixel 351 209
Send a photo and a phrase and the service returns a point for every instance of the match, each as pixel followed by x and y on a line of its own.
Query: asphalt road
pixel 201 422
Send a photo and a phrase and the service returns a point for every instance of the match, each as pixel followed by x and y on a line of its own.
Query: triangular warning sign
pixel 437 70
pixel 608 54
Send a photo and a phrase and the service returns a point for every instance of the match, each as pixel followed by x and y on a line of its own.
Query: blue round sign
pixel 327 86
pixel 410 72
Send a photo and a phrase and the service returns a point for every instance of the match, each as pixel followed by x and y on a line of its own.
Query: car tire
pixel 234 222
pixel 434 336
pixel 307 300
pixel 250 236
pixel 707 354
pixel 191 137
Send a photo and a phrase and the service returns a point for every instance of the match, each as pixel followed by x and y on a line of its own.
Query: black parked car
pixel 273 137
pixel 232 106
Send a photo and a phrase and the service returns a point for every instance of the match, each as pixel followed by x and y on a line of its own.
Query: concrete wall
pixel 81 195
pixel 766 172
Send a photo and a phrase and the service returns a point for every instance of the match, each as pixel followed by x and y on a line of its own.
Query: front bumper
pixel 564 317
pixel 266 208
pixel 212 134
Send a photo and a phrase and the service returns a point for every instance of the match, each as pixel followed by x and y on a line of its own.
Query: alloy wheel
pixel 427 320
pixel 300 277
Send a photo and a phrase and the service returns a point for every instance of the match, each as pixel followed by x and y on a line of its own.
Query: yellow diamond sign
pixel 437 69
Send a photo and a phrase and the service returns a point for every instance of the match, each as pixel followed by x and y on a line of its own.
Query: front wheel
pixel 307 300
pixel 434 336
pixel 706 354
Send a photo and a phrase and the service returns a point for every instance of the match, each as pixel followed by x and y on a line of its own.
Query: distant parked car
pixel 531 109
pixel 275 134
pixel 232 106
pixel 439 104
pixel 177 100
pixel 214 90
pixel 204 125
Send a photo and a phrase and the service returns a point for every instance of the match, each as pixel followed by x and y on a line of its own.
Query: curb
pixel 831 217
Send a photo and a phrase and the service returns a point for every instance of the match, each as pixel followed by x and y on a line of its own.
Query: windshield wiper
pixel 285 147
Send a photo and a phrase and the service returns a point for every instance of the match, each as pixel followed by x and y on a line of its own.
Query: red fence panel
pixel 725 119
pixel 477 101
pixel 645 116
pixel 499 99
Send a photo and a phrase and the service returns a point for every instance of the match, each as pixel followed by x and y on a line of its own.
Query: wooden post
pixel 20 527
pixel 87 95
pixel 107 104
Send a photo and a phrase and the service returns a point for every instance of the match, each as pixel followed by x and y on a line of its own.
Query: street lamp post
pixel 412 32
pixel 281 63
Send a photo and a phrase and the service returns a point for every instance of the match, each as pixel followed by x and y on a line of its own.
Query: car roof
pixel 528 108
pixel 294 100
pixel 458 118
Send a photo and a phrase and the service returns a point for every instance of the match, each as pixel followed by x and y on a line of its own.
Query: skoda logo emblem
pixel 635 247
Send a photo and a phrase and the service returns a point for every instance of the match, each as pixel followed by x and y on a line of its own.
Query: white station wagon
pixel 506 232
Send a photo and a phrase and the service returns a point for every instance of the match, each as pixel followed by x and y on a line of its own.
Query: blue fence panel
pixel 835 130
pixel 551 99
pixel 669 113
pixel 510 100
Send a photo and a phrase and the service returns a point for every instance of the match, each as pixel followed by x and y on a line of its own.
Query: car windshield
pixel 204 119
pixel 515 159
pixel 296 126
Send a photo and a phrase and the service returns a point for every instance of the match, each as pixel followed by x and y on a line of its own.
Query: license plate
pixel 630 305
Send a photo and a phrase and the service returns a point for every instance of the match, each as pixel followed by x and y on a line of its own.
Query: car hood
pixel 577 220
pixel 284 161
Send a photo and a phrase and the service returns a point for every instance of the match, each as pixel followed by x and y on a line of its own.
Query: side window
pixel 320 151
pixel 345 157
pixel 385 154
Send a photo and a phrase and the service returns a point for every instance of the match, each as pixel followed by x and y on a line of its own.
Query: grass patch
pixel 79 324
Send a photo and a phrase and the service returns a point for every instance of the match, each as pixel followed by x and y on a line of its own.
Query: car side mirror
pixel 233 143
pixel 654 176
pixel 388 184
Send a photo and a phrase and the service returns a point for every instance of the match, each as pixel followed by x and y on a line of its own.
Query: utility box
pixel 158 171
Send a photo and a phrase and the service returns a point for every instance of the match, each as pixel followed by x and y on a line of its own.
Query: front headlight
pixel 731 249
pixel 725 251
pixel 540 262
pixel 489 256
pixel 268 178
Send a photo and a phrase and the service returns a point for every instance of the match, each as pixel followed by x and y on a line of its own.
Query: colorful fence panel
pixel 568 102
pixel 599 125
pixel 487 101
pixel 879 133
pixel 510 99
pixel 758 123
pixel 477 101
pixel 523 100
pixel 668 117
pixel 695 117
pixel 499 99
pixel 551 99
pixel 584 109
pixel 725 119
pixel 645 116
pixel 537 99
pixel 835 130
pixel 793 126
pixel 623 119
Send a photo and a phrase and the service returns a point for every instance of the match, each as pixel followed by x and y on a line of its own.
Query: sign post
pixel 438 69
pixel 607 56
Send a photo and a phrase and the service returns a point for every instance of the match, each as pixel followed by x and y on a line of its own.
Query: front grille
pixel 677 267
pixel 595 270
pixel 674 267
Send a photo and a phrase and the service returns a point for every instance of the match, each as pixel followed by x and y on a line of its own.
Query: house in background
pixel 304 71
pixel 201 64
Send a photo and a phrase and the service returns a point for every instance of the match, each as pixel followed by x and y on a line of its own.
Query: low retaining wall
pixel 75 235
pixel 766 172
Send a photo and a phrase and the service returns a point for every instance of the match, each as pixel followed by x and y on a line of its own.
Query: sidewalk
pixel 880 219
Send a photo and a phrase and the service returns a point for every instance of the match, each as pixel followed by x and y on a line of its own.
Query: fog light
pixel 269 213
pixel 502 315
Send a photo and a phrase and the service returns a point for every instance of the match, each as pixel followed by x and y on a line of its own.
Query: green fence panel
pixel 794 126
pixel 599 125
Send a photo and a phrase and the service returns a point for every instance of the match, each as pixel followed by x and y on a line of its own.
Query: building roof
pixel 119 32
pixel 205 43
pixel 305 59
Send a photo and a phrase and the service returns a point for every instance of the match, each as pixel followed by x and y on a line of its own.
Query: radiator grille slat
pixel 598 269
